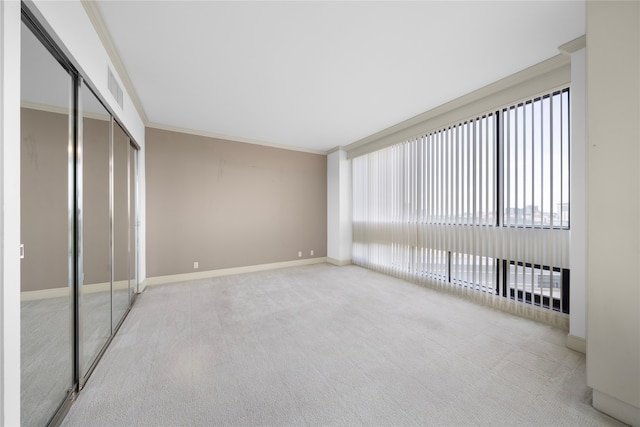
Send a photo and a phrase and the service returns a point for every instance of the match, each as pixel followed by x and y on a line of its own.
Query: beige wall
pixel 97 250
pixel 120 204
pixel 227 204
pixel 613 207
pixel 44 201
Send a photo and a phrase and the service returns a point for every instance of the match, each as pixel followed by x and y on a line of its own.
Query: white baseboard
pixel 64 291
pixel 160 280
pixel 615 408
pixel 576 343
pixel 339 262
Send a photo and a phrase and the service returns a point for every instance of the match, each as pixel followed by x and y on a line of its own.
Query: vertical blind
pixel 480 208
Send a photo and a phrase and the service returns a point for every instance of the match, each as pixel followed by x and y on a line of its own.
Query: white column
pixel 576 339
pixel 142 214
pixel 339 238
pixel 613 207
pixel 10 213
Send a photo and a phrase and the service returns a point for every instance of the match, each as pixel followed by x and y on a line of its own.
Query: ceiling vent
pixel 114 87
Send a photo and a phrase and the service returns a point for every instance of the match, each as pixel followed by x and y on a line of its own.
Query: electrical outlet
pixel 195 265
pixel 299 254
pixel 311 253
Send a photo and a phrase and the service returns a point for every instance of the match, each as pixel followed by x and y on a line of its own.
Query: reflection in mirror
pixel 120 224
pixel 95 290
pixel 46 283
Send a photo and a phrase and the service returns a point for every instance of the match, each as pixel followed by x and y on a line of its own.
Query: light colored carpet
pixel 46 360
pixel 46 351
pixel 325 345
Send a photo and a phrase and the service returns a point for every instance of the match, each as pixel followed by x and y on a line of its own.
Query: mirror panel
pixel 133 221
pixel 120 302
pixel 46 232
pixel 95 288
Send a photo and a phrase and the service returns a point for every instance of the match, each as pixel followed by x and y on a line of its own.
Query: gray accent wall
pixel 229 204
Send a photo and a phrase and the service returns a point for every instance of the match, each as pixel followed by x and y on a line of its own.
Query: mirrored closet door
pixel 78 191
pixel 95 287
pixel 47 232
pixel 120 296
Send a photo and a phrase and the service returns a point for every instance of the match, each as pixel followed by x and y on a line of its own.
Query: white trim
pixel 574 45
pixel 339 262
pixel 530 82
pixel 10 25
pixel 161 280
pixel 93 12
pixel 339 218
pixel 117 285
pixel 337 148
pixel 62 110
pixel 44 107
pixel 45 294
pixel 623 411
pixel 233 138
pixel 64 290
pixel 578 196
pixel 576 343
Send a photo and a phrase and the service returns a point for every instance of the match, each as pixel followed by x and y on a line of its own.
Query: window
pixel 475 271
pixel 452 206
pixel 534 284
pixel 459 173
pixel 536 162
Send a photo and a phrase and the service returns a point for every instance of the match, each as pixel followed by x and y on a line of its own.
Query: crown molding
pixel 233 138
pixel 334 149
pixel 44 107
pixel 61 110
pixel 574 45
pixel 93 12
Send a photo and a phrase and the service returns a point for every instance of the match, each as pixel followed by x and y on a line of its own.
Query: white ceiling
pixel 316 75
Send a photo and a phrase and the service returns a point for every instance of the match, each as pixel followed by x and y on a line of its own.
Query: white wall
pixel 578 250
pixel 339 208
pixel 613 207
pixel 142 214
pixel 10 213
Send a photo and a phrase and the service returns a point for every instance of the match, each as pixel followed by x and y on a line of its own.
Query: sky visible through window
pixel 508 168
pixel 461 169
pixel 536 165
